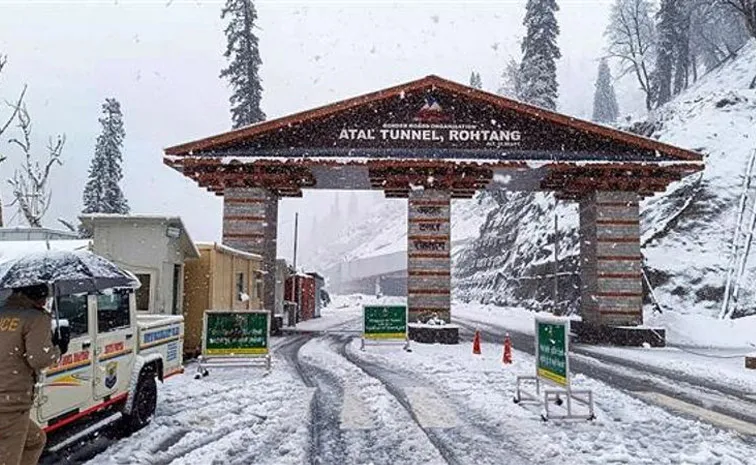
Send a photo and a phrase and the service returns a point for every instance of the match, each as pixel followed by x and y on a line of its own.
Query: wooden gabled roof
pixel 305 130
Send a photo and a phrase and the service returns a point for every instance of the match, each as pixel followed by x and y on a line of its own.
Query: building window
pixel 113 311
pixel 241 291
pixel 143 293
pixel 74 308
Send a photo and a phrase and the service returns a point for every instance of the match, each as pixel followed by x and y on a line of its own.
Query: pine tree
pixel 244 63
pixel 102 193
pixel 539 54
pixel 605 108
pixel 668 19
pixel 511 80
pixel 476 81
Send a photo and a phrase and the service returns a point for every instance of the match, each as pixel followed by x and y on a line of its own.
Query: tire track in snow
pixel 388 433
pixel 465 443
pixel 326 441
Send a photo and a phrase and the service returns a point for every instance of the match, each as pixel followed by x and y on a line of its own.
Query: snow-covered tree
pixel 605 108
pixel 476 81
pixel 632 40
pixel 669 18
pixel 102 194
pixel 747 10
pixel 716 32
pixel 511 81
pixel 6 121
pixel 244 63
pixel 539 54
pixel 30 191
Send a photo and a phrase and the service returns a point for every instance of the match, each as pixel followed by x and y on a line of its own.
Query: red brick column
pixel 250 222
pixel 610 264
pixel 428 255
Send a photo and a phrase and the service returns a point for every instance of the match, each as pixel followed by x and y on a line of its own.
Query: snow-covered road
pixel 328 402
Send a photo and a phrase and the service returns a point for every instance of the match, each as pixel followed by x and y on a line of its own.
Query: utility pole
pixel 556 257
pixel 296 228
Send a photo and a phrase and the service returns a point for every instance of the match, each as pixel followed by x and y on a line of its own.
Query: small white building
pixel 152 247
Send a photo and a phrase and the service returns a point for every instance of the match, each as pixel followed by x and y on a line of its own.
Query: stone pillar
pixel 250 224
pixel 610 259
pixel 428 255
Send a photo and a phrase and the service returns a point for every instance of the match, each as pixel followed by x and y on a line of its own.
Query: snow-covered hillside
pixel 688 230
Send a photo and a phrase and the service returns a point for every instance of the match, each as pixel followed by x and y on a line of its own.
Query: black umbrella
pixel 68 272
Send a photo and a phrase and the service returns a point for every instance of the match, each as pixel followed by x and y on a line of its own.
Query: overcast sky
pixel 161 60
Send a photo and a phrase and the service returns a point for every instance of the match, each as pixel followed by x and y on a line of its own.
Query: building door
pixel 176 289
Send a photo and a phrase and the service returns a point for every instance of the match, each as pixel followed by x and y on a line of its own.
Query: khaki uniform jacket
pixel 25 348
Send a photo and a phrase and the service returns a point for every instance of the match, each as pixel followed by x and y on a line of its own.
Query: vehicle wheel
pixel 144 404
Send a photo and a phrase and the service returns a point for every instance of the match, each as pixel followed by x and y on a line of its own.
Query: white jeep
pixel 110 369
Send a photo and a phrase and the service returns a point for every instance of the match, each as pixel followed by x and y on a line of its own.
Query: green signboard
pixel 552 350
pixel 384 322
pixel 235 333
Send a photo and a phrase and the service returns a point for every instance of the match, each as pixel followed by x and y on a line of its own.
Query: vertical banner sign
pixel 235 333
pixel 552 350
pixel 384 322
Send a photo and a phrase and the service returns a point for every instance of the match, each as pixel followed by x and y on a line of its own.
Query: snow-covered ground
pixel 233 416
pixel 700 347
pixel 326 401
pixel 479 389
pixel 716 366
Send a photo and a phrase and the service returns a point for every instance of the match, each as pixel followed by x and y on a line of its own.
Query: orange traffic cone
pixel 476 343
pixel 507 350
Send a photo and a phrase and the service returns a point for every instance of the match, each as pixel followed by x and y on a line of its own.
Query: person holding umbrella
pixel 27 346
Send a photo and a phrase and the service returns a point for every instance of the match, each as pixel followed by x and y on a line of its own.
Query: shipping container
pixel 300 288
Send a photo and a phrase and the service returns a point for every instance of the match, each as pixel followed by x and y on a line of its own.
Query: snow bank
pixel 705 331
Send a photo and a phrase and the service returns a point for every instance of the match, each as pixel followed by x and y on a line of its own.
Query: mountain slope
pixel 688 230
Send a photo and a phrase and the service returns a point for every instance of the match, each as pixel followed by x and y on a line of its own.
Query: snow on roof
pixel 114 217
pixel 13 249
pixel 228 250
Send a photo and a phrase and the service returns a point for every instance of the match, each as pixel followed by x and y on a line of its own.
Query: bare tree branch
pixel 30 192
pixel 4 126
pixel 15 108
